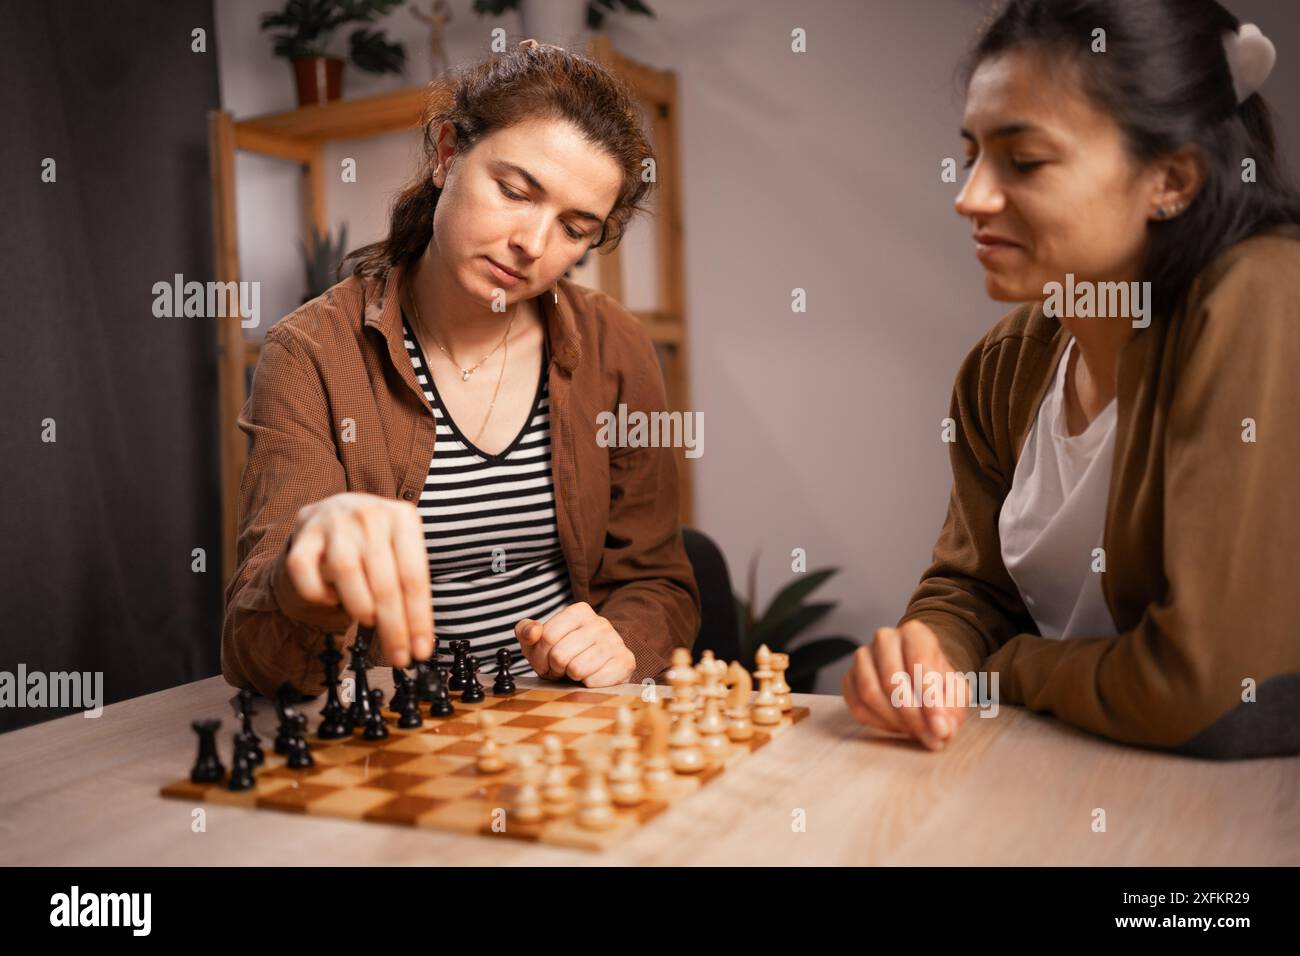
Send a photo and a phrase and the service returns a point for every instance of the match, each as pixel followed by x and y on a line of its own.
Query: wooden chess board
pixel 428 777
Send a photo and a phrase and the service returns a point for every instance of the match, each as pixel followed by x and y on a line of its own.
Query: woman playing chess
pixel 1119 545
pixel 424 452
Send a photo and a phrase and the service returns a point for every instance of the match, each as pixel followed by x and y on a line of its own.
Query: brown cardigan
pixel 1201 577
pixel 341 356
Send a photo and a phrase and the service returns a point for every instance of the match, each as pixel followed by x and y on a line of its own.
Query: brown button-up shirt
pixel 335 407
pixel 1200 528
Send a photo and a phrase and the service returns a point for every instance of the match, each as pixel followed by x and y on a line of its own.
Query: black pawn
pixel 241 770
pixel 359 712
pixel 504 685
pixel 425 675
pixel 410 718
pixel 333 718
pixel 459 666
pixel 207 768
pixel 401 690
pixel 473 693
pixel 441 706
pixel 425 672
pixel 283 734
pixel 300 757
pixel 376 729
pixel 282 709
pixel 256 757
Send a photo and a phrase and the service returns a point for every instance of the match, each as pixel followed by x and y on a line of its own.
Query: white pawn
pixel 624 729
pixel 489 754
pixel 713 733
pixel 595 809
pixel 707 672
pixel 528 801
pixel 780 689
pixel 684 749
pixel 682 678
pixel 625 784
pixel 556 790
pixel 766 712
pixel 658 774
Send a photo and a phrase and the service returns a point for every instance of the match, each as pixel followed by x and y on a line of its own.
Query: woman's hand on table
pixel 878 697
pixel 577 643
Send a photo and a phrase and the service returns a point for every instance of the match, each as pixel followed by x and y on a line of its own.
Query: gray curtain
pixel 99 526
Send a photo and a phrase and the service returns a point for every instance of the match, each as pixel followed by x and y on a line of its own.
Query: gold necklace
pixel 505 357
pixel 466 373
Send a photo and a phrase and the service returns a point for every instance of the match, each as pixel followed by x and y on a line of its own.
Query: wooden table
pixel 1015 789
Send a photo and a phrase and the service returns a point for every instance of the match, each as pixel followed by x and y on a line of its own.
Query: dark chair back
pixel 717 603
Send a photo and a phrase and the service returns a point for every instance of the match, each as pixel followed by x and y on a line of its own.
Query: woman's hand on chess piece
pixel 880 687
pixel 577 643
pixel 365 553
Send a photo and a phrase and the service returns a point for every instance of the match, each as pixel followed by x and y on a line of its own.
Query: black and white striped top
pixel 478 509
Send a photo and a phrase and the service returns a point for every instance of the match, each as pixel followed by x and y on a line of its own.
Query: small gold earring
pixel 555 293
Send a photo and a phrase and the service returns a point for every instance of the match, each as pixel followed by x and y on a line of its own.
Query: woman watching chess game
pixel 1119 544
pixel 424 451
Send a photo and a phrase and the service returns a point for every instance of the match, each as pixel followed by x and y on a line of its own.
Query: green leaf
pixel 777 634
pixel 636 6
pixel 322 257
pixel 311 25
pixel 790 597
pixel 807 659
pixel 494 8
pixel 372 52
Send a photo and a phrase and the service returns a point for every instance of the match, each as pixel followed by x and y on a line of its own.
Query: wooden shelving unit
pixel 299 136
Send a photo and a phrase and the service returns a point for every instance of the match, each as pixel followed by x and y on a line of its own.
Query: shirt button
pixel 408 495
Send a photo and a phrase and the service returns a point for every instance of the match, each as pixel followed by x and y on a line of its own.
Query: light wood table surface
pixel 1016 789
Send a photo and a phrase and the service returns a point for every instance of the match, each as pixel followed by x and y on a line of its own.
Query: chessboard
pixel 432 776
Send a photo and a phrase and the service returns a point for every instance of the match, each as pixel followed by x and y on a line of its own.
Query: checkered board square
pixel 428 777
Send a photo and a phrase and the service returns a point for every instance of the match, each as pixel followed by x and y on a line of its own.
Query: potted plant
pixel 562 22
pixel 787 616
pixel 321 259
pixel 309 27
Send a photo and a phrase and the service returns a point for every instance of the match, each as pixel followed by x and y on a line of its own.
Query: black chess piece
pixel 459 666
pixel 376 728
pixel 410 718
pixel 359 712
pixel 241 769
pixel 473 693
pixel 333 718
pixel 422 688
pixel 441 706
pixel 425 671
pixel 283 711
pixel 401 690
pixel 256 756
pixel 208 767
pixel 300 757
pixel 504 685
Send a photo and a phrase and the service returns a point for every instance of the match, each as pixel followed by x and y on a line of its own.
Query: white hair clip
pixel 1251 57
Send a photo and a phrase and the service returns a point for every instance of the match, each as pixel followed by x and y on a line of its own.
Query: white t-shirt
pixel 1055 516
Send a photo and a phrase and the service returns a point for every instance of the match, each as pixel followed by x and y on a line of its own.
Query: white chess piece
pixel 766 712
pixel 556 790
pixel 528 801
pixel 595 808
pixel 739 726
pixel 489 754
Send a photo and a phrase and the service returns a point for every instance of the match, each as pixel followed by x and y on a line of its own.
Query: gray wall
pixel 818 171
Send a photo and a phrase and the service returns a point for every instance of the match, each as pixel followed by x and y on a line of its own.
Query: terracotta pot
pixel 320 78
